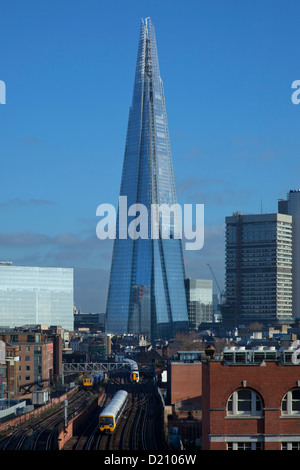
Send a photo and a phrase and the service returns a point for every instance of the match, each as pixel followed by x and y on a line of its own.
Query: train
pixel 93 379
pixel 109 417
pixel 134 370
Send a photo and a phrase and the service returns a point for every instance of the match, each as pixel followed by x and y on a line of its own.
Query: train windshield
pixel 104 420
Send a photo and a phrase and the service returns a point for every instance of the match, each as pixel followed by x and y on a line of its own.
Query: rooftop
pixel 260 354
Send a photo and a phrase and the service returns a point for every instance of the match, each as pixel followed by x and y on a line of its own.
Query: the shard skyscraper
pixel 146 289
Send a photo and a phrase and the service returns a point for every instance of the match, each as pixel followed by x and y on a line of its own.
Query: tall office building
pixel 258 269
pixel 199 296
pixel 34 295
pixel 291 206
pixel 146 289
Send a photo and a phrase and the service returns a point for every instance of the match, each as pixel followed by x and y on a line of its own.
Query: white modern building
pixel 199 296
pixel 36 295
pixel 291 206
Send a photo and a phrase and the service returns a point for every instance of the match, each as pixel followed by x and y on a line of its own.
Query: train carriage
pixel 134 370
pixel 109 417
pixel 93 379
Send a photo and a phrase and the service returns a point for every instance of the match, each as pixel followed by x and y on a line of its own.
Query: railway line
pixel 41 432
pixel 140 426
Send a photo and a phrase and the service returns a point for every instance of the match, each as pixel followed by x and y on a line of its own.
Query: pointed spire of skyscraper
pixel 146 289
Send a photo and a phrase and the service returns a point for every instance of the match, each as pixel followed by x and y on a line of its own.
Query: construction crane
pixel 221 292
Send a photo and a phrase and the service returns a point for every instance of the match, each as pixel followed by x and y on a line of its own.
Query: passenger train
pixel 93 379
pixel 134 370
pixel 109 417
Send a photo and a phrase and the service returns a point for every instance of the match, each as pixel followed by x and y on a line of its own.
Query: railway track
pixel 145 430
pixel 140 427
pixel 89 436
pixel 41 432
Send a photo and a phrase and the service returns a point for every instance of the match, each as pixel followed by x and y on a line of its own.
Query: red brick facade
pixel 271 381
pixel 185 382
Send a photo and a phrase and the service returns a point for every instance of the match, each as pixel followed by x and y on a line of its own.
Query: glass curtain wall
pixel 146 290
pixel 35 295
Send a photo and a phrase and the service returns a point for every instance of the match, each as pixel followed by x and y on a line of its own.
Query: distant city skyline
pixel 229 68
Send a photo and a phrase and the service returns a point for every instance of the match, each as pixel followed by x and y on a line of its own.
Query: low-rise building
pixel 251 400
pixel 29 358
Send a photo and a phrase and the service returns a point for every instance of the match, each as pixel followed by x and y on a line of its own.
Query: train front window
pixel 106 420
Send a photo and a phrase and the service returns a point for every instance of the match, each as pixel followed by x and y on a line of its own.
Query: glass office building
pixel 34 296
pixel 146 289
pixel 199 296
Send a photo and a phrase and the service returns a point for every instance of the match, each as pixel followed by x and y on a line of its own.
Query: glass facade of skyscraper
pixel 146 290
pixel 199 295
pixel 34 295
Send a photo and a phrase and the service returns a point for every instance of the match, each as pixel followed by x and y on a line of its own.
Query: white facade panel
pixel 35 295
pixel 294 211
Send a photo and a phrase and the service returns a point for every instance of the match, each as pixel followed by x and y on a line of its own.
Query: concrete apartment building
pixel 291 206
pixel 258 269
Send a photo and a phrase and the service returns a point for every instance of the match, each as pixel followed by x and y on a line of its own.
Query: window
pixel 244 402
pixel 244 446
pixel 291 403
pixel 290 446
pixel 106 420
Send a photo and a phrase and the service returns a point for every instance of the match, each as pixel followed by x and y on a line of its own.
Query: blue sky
pixel 69 65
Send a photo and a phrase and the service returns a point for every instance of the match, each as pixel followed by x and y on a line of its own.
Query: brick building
pixel 32 367
pixel 36 366
pixel 184 382
pixel 251 400
pixel 10 373
pixel 184 395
